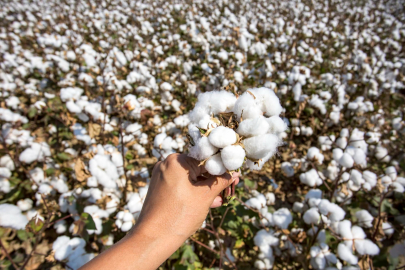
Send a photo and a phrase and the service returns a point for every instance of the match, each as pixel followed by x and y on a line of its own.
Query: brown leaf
pixel 80 170
pixel 94 130
pixel 364 264
pixel 116 141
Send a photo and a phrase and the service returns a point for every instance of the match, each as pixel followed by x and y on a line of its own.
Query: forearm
pixel 140 249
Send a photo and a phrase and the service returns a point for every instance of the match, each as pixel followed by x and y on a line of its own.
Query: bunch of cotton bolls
pixel 225 131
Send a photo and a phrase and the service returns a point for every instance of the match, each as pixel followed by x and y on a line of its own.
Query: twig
pixel 8 255
pixel 204 245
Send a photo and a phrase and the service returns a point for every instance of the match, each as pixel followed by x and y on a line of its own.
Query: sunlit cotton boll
pixel 259 146
pixel 222 136
pixel 202 149
pixel 214 165
pixel 233 157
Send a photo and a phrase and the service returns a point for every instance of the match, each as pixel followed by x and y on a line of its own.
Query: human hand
pixel 179 197
pixel 176 205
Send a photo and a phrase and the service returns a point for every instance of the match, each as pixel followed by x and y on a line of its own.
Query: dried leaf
pixel 80 170
pixel 94 130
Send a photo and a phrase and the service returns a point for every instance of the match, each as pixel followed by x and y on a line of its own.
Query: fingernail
pixel 218 200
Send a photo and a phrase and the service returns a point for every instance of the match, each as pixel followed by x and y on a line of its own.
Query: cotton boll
pixel 356 177
pixel 314 154
pixel 288 169
pixel 11 217
pixel 246 107
pixel 337 154
pixel 202 149
pixel 194 132
pixel 359 157
pixel 268 100
pixel 388 228
pixel 271 198
pixel 366 247
pixel 346 161
pixel 276 124
pixel 312 216
pixel 311 178
pixel 214 165
pixel 298 207
pixel 282 218
pixel 370 178
pixel 222 136
pixel 364 218
pixel 391 172
pixel 233 157
pixel 344 229
pixel 253 127
pixel 346 254
pixel 259 146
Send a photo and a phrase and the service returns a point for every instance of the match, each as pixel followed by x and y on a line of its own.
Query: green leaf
pixel 129 156
pixel 24 235
pixel 129 167
pixel 188 256
pixel 32 112
pixel 88 220
pixel 63 156
pixel 35 225
pixel 249 184
pixel 50 171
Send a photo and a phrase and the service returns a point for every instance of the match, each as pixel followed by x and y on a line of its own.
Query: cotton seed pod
pixel 233 157
pixel 214 165
pixel 259 146
pixel 253 127
pixel 222 136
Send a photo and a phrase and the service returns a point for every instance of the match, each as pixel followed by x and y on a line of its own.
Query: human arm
pixel 176 205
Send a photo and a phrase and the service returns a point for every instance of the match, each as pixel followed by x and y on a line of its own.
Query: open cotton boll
pixel 311 216
pixel 246 107
pixel 345 229
pixel 253 127
pixel 267 99
pixel 346 160
pixel 364 218
pixel 214 165
pixel 202 149
pixel 11 217
pixel 311 178
pixel 222 136
pixel 282 218
pixel 346 254
pixel 314 154
pixel 233 157
pixel 276 124
pixel 260 146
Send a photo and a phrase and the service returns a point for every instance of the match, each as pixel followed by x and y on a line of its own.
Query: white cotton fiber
pixel 312 216
pixel 314 154
pixel 370 178
pixel 202 149
pixel 282 218
pixel 346 254
pixel 267 99
pixel 276 124
pixel 253 127
pixel 259 146
pixel 364 218
pixel 233 157
pixel 222 136
pixel 246 107
pixel 366 246
pixel 214 165
pixel 311 178
pixel 11 217
pixel 346 160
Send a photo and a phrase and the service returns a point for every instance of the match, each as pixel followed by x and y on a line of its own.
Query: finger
pixel 217 202
pixel 192 165
pixel 218 183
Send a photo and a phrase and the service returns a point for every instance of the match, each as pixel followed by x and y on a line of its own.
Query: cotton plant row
pixel 111 84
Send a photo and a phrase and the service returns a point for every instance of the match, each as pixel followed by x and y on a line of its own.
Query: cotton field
pixel 304 98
